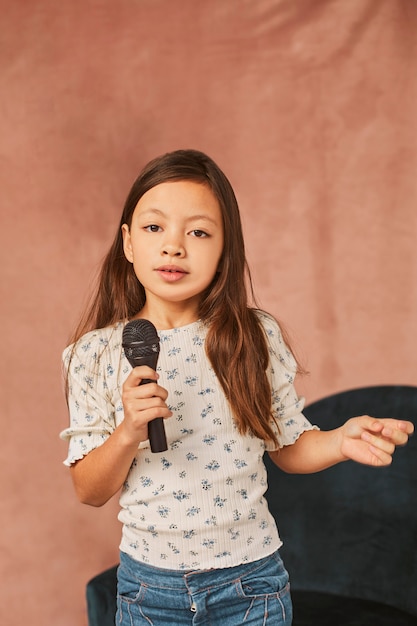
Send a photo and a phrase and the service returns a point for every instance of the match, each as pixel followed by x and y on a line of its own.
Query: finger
pixel 402 425
pixel 141 402
pixel 147 391
pixel 379 457
pixel 147 410
pixel 133 389
pixel 379 443
pixel 135 395
pixel 140 373
pixel 398 437
pixel 396 430
pixel 407 427
pixel 151 413
pixel 375 425
pixel 366 422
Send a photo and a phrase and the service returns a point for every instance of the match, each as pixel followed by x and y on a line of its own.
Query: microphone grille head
pixel 139 331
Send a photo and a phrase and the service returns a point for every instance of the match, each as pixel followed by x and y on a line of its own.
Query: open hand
pixel 372 441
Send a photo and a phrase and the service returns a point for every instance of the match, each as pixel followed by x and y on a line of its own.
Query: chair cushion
pixel 322 609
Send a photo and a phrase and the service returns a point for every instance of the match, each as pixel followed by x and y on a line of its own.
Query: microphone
pixel 141 346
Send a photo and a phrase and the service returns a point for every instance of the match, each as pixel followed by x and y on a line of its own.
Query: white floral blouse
pixel 200 504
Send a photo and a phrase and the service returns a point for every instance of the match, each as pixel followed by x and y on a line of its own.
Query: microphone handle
pixel 156 429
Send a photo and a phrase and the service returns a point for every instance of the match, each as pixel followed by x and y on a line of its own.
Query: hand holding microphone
pixel 141 346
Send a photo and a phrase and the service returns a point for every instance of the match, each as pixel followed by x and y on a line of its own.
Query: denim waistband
pixel 192 580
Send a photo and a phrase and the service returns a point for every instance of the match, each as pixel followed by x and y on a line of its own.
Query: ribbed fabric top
pixel 200 504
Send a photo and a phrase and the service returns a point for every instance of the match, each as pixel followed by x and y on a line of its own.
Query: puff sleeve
pixel 287 407
pixel 91 367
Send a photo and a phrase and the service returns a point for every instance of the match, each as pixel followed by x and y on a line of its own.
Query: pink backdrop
pixel 309 107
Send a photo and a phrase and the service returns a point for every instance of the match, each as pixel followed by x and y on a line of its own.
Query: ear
pixel 127 243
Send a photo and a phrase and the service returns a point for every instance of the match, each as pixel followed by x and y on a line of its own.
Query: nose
pixel 173 250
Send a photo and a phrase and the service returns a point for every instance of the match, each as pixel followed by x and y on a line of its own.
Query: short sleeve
pixel 91 411
pixel 287 407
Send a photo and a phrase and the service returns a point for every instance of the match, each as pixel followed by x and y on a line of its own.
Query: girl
pixel 199 545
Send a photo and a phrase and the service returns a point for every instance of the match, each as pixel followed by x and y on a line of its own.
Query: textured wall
pixel 308 106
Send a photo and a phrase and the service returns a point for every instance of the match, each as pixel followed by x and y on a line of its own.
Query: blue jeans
pixel 254 594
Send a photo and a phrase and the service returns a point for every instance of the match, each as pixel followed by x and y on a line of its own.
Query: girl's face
pixel 175 242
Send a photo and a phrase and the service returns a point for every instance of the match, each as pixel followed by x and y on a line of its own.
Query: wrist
pixel 131 440
pixel 343 439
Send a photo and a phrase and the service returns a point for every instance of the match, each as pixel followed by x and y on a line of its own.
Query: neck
pixel 167 317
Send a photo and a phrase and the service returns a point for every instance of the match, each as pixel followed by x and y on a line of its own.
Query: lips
pixel 172 269
pixel 171 273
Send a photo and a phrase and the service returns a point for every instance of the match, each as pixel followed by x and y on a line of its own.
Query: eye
pixel 153 228
pixel 199 233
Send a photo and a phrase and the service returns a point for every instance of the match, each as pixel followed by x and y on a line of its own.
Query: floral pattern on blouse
pixel 201 503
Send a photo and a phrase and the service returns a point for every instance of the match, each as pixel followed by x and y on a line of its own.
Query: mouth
pixel 172 269
pixel 171 273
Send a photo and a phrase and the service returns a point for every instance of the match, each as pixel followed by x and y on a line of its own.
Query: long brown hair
pixel 236 344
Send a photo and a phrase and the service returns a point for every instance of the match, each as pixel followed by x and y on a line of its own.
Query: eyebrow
pixel 197 216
